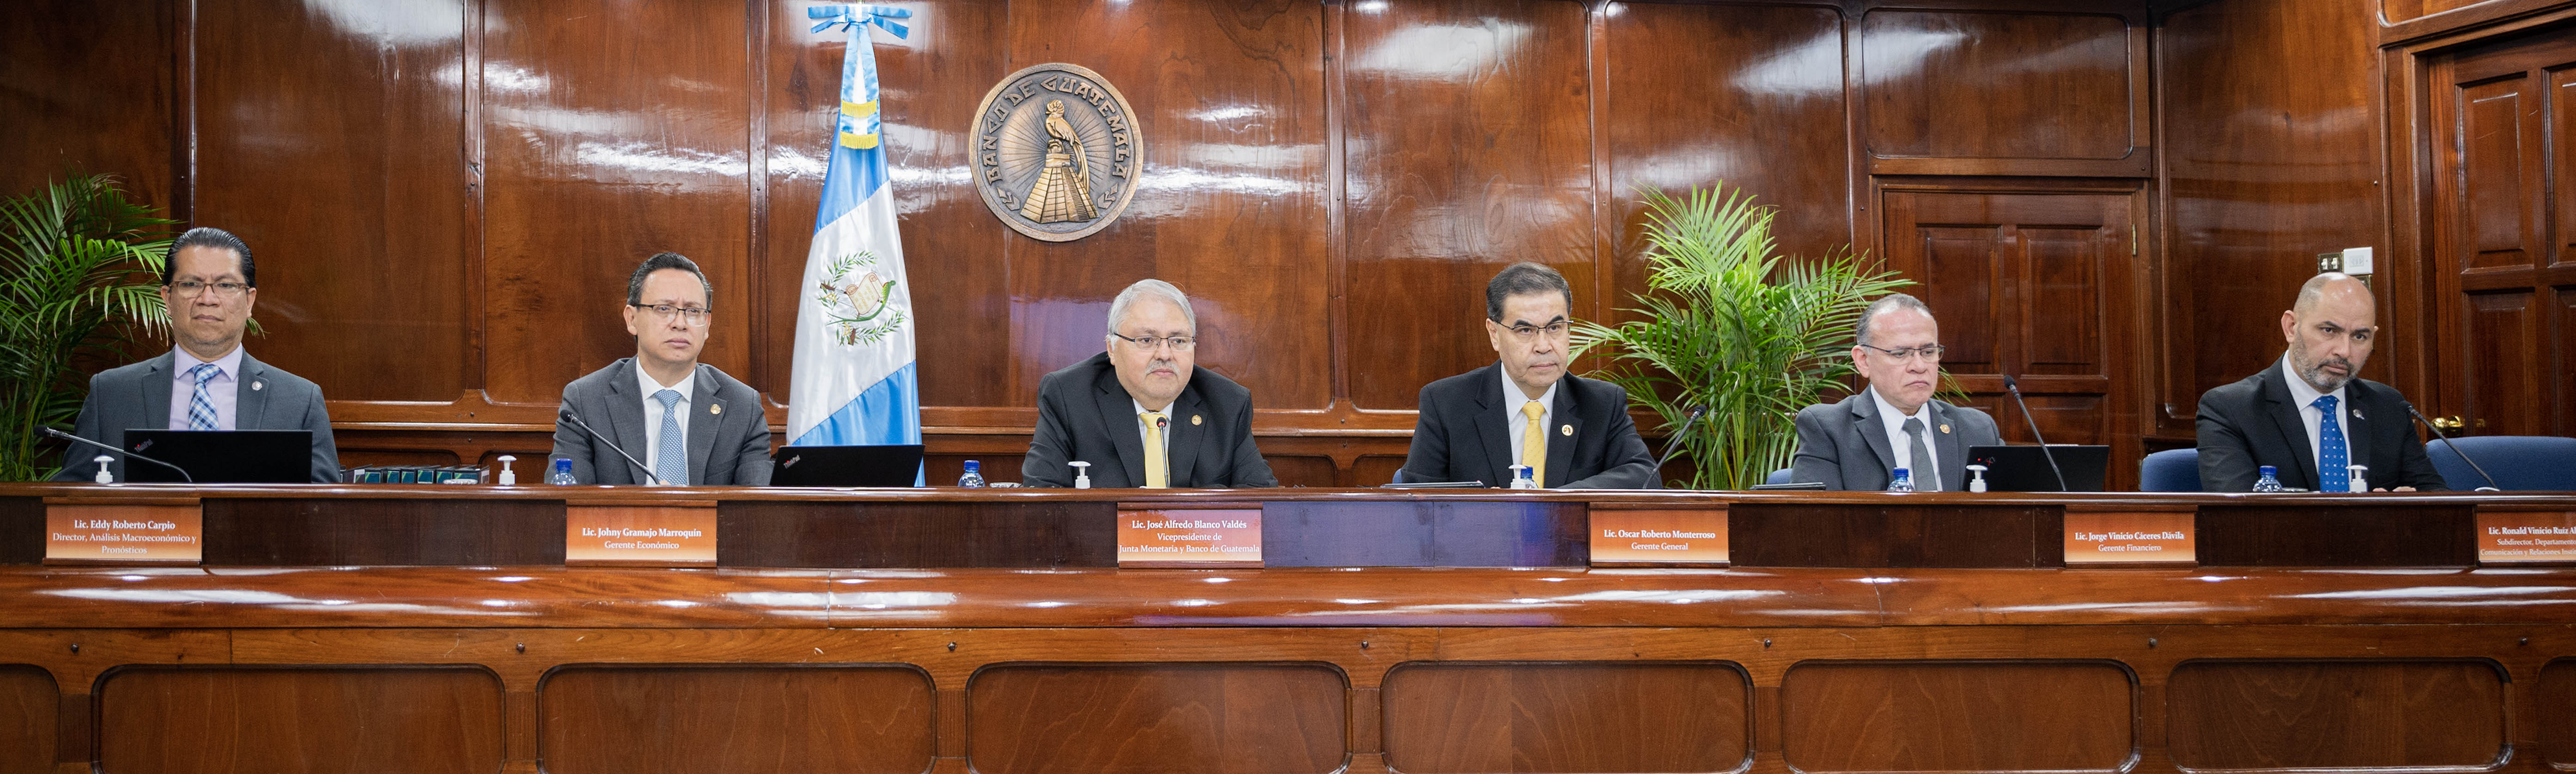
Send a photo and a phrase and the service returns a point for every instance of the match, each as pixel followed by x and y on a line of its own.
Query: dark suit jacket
pixel 1845 444
pixel 138 395
pixel 1462 435
pixel 1085 414
pixel 728 434
pixel 2253 422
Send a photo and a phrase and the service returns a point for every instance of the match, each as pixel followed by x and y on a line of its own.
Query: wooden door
pixel 2041 285
pixel 2503 288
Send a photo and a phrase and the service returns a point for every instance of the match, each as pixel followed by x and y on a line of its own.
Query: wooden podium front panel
pixel 1958 716
pixel 735 718
pixel 1477 718
pixel 28 701
pixel 2247 714
pixel 277 720
pixel 1178 718
pixel 2558 713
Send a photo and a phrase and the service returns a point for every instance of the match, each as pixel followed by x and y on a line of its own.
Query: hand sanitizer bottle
pixel 974 478
pixel 1522 477
pixel 2271 480
pixel 1081 474
pixel 1976 478
pixel 104 477
pixel 2360 478
pixel 509 476
pixel 1903 481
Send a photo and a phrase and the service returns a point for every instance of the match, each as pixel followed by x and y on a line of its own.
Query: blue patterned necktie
pixel 201 406
pixel 670 457
pixel 2332 455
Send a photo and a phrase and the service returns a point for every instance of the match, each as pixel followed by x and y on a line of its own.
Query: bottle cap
pixel 2269 470
pixel 972 466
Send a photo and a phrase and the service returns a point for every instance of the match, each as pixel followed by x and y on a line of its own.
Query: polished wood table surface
pixel 437 629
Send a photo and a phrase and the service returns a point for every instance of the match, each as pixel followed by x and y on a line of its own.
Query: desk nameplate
pixel 641 533
pixel 2141 535
pixel 124 530
pixel 1658 537
pixel 1213 535
pixel 2517 536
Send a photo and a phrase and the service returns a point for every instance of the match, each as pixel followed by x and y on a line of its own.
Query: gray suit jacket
pixel 138 396
pixel 1845 446
pixel 728 433
pixel 1085 414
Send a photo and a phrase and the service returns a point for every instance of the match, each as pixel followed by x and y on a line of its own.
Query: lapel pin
pixel 1567 430
pixel 1945 428
pixel 715 408
pixel 2356 413
pixel 1194 419
pixel 257 386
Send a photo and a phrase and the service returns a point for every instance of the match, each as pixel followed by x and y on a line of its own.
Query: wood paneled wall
pixel 448 195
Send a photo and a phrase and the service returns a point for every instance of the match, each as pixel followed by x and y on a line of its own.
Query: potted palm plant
pixel 80 273
pixel 1731 325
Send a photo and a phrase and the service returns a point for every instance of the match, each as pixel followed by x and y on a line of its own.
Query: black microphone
pixel 183 472
pixel 621 451
pixel 2455 448
pixel 2015 387
pixel 1674 446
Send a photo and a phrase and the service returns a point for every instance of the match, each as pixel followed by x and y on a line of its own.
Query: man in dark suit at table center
pixel 2309 414
pixel 1142 412
pixel 1527 409
pixel 688 422
pixel 208 381
pixel 1858 443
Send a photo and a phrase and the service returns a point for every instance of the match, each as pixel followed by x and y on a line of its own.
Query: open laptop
pixel 221 456
pixel 892 465
pixel 2024 469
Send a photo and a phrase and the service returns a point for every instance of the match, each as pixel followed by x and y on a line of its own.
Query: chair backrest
pixel 1780 476
pixel 2518 462
pixel 2171 470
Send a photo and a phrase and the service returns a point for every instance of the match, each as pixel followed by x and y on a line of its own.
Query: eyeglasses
pixel 1178 343
pixel 190 288
pixel 1930 353
pixel 697 314
pixel 1528 332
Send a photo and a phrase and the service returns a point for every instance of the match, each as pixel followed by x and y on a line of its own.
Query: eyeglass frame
pixel 1929 353
pixel 1552 330
pixel 179 289
pixel 1177 343
pixel 695 316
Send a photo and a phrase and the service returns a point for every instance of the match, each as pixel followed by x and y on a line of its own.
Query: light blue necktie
pixel 670 456
pixel 2332 455
pixel 201 406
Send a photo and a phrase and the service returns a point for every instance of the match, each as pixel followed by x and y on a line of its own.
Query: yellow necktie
pixel 1158 472
pixel 1534 442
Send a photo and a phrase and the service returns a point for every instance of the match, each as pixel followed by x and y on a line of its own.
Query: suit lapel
pixel 626 420
pixel 1946 449
pixel 2293 430
pixel 1560 444
pixel 1187 414
pixel 1873 432
pixel 250 394
pixel 1492 431
pixel 705 413
pixel 1118 414
pixel 156 391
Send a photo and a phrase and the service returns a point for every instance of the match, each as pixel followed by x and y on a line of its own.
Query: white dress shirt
pixel 1516 424
pixel 1167 433
pixel 652 451
pixel 1926 473
pixel 224 391
pixel 2306 396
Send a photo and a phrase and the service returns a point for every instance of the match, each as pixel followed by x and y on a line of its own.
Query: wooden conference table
pixel 441 628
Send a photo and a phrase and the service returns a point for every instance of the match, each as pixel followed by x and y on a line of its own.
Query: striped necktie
pixel 201 406
pixel 670 456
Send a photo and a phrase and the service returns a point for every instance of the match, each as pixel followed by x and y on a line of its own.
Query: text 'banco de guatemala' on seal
pixel 1056 152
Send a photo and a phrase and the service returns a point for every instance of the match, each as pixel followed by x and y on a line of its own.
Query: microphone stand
pixel 2455 448
pixel 183 472
pixel 621 451
pixel 1674 446
pixel 2015 387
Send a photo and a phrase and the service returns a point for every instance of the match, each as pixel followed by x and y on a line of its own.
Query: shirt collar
pixel 226 367
pixel 1895 420
pixel 687 386
pixel 1513 397
pixel 2303 393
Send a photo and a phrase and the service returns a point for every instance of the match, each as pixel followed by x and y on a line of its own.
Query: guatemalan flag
pixel 855 381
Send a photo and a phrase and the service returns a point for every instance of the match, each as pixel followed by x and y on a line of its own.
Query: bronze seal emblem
pixel 1056 152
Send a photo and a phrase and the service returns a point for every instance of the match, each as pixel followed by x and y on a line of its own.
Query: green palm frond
pixel 1730 324
pixel 79 273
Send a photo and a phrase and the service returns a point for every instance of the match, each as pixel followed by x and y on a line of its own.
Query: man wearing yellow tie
pixel 1572 431
pixel 1142 412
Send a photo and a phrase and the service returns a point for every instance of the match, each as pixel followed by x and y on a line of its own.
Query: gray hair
pixel 1155 288
pixel 1887 303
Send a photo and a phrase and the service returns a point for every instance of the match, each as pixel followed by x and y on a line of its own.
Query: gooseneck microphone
pixel 621 451
pixel 2455 448
pixel 1674 446
pixel 2015 388
pixel 183 472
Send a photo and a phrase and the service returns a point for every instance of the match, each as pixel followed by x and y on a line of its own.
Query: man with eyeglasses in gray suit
pixel 687 422
pixel 1858 443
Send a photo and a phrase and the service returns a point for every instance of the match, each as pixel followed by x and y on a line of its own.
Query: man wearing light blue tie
pixel 686 422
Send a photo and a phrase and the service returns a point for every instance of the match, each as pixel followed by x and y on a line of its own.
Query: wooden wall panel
pixel 2557 719
pixel 606 143
pixel 760 718
pixel 1490 718
pixel 2261 173
pixel 1468 149
pixel 1996 85
pixel 1156 718
pixel 2335 714
pixel 1972 716
pixel 64 54
pixel 306 719
pixel 1232 204
pixel 28 701
pixel 332 147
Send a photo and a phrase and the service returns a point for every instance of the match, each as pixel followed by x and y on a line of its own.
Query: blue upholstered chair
pixel 2172 470
pixel 1780 476
pixel 2518 462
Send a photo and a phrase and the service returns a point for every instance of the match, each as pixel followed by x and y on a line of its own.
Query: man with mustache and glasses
pixel 1143 413
pixel 1858 443
pixel 2310 415
pixel 1573 432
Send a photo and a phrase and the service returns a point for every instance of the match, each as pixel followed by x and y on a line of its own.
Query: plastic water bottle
pixel 2271 480
pixel 563 472
pixel 1523 477
pixel 974 478
pixel 1902 482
